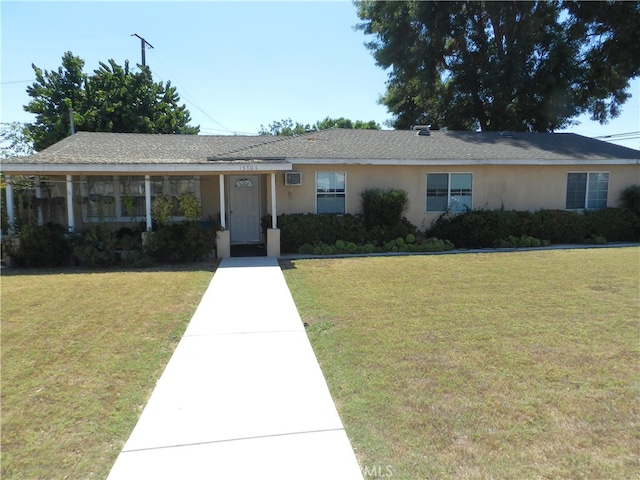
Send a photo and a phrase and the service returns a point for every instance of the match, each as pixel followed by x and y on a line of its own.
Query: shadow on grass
pixel 210 266
pixel 287 264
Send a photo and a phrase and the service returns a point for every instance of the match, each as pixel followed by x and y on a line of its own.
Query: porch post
pixel 274 213
pixel 273 234
pixel 223 237
pixel 223 221
pixel 147 201
pixel 10 212
pixel 70 219
pixel 39 196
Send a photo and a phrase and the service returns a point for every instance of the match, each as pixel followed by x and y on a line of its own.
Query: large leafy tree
pixel 288 127
pixel 523 66
pixel 112 99
pixel 14 140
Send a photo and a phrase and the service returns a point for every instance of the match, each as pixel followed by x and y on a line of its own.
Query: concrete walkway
pixel 243 396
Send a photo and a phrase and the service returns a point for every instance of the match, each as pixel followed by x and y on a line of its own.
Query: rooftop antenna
pixel 143 43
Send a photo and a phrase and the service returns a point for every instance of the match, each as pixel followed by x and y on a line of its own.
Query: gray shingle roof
pixel 440 145
pixel 338 144
pixel 133 148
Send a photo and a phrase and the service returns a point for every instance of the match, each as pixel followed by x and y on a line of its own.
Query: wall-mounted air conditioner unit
pixel 293 178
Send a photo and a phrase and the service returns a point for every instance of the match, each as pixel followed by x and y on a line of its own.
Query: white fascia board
pixel 399 162
pixel 199 168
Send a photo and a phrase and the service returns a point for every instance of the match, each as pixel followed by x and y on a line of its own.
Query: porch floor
pixel 250 250
pixel 243 395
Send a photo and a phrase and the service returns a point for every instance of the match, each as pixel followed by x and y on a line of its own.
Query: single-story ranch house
pixel 239 179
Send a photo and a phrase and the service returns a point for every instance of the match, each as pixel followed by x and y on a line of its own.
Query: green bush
pixel 478 228
pixel 43 246
pixel 181 242
pixel 490 228
pixel 299 229
pixel 558 226
pixel 522 241
pixel 612 224
pixel 383 208
pixel 95 247
pixel 630 198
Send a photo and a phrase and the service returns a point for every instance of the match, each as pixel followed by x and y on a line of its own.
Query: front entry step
pixel 249 250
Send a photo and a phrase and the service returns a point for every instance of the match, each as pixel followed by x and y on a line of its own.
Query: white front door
pixel 244 208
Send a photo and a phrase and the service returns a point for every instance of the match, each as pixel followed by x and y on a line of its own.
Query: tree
pixel 522 66
pixel 345 123
pixel 112 99
pixel 14 140
pixel 287 127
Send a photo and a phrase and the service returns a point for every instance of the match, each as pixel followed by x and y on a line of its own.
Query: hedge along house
pixel 240 179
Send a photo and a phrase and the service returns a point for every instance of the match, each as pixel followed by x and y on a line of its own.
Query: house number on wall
pixel 247 168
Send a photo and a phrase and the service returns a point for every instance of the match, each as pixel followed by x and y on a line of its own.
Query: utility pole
pixel 143 43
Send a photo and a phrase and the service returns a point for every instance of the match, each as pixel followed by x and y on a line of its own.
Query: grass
pixel 481 366
pixel 81 353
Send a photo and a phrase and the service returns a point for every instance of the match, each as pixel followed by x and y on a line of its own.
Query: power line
pixel 17 81
pixel 621 136
pixel 192 102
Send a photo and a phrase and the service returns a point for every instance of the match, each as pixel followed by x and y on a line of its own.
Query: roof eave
pixel 145 168
pixel 470 161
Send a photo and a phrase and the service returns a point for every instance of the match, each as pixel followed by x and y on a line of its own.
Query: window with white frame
pixel 449 192
pixel 122 198
pixel 331 192
pixel 587 190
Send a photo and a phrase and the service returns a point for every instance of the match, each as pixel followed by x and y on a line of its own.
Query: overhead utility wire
pixel 191 101
pixel 621 136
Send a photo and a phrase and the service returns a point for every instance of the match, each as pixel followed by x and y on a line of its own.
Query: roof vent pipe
pixel 72 126
pixel 423 130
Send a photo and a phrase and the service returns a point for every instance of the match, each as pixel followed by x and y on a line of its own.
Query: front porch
pixel 233 195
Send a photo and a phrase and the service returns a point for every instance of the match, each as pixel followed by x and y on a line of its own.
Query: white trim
pixel 198 168
pixel 315 191
pixel 147 202
pixel 461 162
pixel 274 212
pixel 9 200
pixel 258 215
pixel 586 190
pixel 245 168
pixel 426 182
pixel 116 180
pixel 70 218
pixel 223 217
pixel 39 195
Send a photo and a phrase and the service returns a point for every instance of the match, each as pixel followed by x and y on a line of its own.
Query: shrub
pixel 383 208
pixel 162 209
pixel 43 246
pixel 189 206
pixel 475 228
pixel 612 224
pixel 490 228
pixel 558 226
pixel 95 247
pixel 630 198
pixel 299 229
pixel 380 234
pixel 181 242
pixel 522 241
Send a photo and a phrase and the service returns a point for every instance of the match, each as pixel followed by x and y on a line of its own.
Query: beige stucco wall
pixel 514 187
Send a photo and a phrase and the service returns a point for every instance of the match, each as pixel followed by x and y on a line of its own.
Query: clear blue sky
pixel 236 65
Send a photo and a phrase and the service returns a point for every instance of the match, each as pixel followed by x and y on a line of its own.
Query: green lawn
pixel 81 353
pixel 512 365
pixel 498 365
